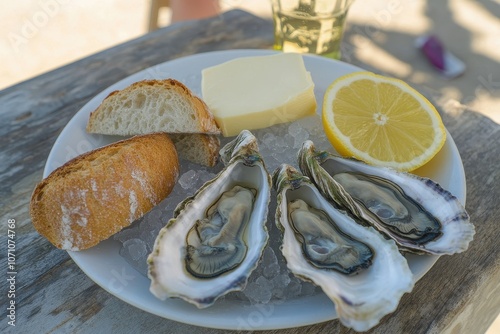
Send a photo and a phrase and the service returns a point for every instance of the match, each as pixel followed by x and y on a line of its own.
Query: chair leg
pixel 154 12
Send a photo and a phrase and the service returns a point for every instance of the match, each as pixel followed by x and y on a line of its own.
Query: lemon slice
pixel 382 121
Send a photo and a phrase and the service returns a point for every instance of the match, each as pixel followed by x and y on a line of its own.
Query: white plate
pixel 106 267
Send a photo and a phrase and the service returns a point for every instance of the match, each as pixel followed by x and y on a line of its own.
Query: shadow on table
pixel 398 56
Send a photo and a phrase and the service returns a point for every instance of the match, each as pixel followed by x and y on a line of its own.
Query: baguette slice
pixel 161 105
pixel 152 106
pixel 95 195
pixel 199 148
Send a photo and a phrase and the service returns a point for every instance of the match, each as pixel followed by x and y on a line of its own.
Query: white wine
pixel 303 32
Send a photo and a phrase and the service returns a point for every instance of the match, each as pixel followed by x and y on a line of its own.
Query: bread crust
pixel 96 194
pixel 198 148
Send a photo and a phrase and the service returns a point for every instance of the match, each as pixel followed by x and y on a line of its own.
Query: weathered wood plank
pixel 460 294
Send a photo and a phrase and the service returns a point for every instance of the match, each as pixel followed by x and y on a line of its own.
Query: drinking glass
pixel 309 26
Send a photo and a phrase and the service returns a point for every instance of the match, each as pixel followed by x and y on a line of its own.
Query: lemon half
pixel 382 121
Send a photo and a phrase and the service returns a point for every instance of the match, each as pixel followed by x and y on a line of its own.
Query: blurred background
pixel 40 35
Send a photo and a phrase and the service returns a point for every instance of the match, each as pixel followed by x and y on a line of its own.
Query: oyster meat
pixel 217 236
pixel 416 212
pixel 362 272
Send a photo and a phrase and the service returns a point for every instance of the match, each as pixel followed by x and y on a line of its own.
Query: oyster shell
pixel 217 236
pixel 416 212
pixel 358 269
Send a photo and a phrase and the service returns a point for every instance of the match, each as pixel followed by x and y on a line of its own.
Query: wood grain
pixel 460 294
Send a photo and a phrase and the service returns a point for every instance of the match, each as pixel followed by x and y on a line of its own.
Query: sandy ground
pixel 40 35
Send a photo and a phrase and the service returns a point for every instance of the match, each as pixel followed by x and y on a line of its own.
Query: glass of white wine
pixel 310 26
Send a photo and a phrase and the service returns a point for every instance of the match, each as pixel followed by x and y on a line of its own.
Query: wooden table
pixel 460 294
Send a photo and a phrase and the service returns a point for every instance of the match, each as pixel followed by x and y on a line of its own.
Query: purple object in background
pixel 439 57
pixel 434 51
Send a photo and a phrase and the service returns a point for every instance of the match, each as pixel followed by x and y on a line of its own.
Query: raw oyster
pixel 416 212
pixel 217 236
pixel 363 273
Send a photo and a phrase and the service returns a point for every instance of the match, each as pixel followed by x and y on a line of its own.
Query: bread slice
pixel 199 148
pixel 96 194
pixel 160 105
pixel 152 106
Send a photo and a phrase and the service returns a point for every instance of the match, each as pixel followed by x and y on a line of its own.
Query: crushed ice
pixel 271 281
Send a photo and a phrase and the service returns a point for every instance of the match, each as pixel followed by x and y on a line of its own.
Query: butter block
pixel 257 92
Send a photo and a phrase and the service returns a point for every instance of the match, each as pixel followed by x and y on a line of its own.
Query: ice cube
pixel 149 236
pixel 267 141
pixel 127 233
pixel 280 283
pixel 310 124
pixel 260 291
pixel 271 270
pixel 136 249
pixel 308 289
pixel 300 137
pixel 293 288
pixel 269 264
pixel 188 179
